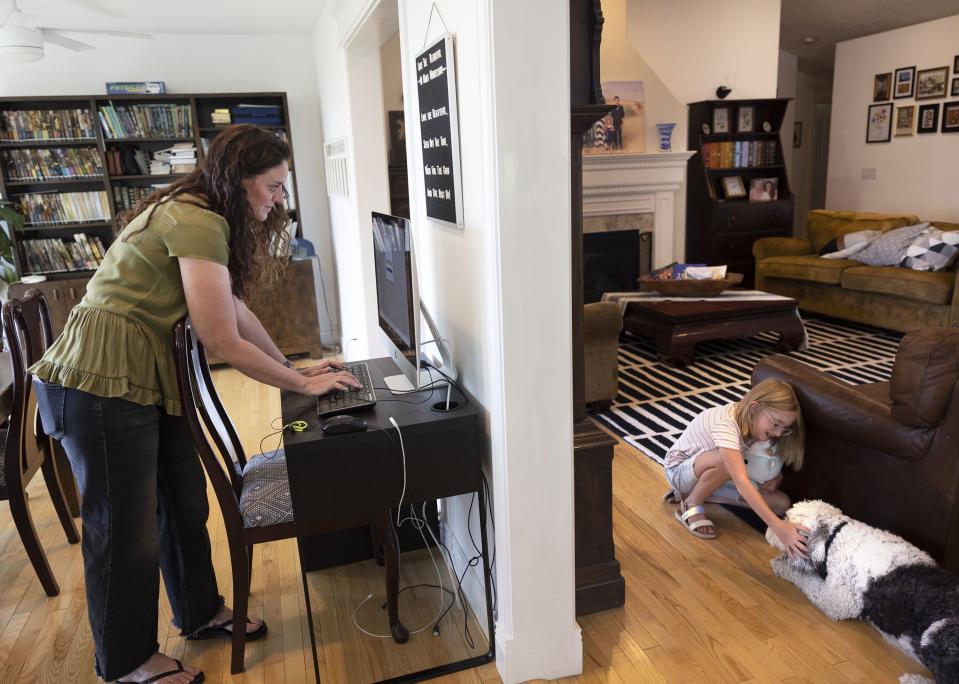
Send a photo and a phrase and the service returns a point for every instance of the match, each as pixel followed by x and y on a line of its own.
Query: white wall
pixel 695 45
pixel 206 63
pixel 499 287
pixel 914 174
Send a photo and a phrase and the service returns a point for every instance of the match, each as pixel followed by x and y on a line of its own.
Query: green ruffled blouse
pixel 118 341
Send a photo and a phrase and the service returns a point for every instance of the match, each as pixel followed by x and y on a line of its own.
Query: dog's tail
pixel 939 650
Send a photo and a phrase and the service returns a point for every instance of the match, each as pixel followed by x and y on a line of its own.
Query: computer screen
pixel 396 296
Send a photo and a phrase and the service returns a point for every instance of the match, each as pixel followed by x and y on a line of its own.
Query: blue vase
pixel 665 131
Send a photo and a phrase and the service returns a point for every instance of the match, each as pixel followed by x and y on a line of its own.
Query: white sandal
pixel 685 512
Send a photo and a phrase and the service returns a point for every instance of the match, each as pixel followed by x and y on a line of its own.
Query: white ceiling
pixel 289 17
pixel 833 21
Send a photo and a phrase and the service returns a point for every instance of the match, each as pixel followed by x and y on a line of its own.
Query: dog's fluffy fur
pixel 867 573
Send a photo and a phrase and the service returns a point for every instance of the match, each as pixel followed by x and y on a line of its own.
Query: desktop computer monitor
pixel 397 296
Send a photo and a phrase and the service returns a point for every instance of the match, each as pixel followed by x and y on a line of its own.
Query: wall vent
pixel 337 168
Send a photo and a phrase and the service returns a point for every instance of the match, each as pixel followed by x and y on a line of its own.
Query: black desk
pixel 342 476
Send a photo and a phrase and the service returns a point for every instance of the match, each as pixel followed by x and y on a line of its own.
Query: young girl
pixel 706 463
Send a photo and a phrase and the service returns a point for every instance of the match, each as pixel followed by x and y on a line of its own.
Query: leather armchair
pixel 602 322
pixel 886 453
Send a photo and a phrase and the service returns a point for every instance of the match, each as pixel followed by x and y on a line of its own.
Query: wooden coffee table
pixel 678 325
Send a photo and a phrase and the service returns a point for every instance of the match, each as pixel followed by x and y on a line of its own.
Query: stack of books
pixel 128 196
pixel 51 124
pixel 262 115
pixel 146 121
pixel 220 117
pixel 181 158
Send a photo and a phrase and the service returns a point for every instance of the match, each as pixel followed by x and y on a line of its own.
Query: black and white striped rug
pixel 656 401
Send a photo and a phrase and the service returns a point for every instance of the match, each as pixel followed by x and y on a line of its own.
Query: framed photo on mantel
pixel 439 131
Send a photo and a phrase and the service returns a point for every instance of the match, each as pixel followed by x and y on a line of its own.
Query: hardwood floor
pixel 696 611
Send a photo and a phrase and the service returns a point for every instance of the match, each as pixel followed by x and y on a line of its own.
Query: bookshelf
pixel 81 161
pixel 720 226
pixel 76 163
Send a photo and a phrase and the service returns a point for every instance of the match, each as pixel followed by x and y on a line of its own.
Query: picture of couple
pixel 763 189
pixel 622 129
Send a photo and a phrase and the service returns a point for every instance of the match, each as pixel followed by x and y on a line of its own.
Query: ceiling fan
pixel 22 39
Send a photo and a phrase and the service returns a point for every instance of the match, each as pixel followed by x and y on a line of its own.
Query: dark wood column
pixel 599 584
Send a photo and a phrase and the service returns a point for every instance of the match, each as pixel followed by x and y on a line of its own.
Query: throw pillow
pixel 888 248
pixel 934 250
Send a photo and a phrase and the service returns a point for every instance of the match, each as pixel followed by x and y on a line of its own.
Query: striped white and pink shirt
pixel 713 428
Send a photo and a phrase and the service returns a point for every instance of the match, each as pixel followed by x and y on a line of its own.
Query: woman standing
pixel 107 390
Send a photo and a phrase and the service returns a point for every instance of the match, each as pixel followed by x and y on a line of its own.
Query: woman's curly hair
pixel 238 152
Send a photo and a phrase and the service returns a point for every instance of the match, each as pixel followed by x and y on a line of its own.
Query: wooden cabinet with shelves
pixel 721 226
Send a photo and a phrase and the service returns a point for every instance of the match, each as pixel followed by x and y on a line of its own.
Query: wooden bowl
pixel 690 288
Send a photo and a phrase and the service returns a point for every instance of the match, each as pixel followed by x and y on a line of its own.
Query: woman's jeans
pixel 144 510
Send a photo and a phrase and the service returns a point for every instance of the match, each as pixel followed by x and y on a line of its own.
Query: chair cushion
pixel 923 286
pixel 806 267
pixel 265 496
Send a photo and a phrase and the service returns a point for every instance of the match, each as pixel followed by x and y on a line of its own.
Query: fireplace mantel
pixel 616 184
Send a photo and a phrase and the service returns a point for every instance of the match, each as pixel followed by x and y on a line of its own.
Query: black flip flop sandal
pixel 220 631
pixel 155 678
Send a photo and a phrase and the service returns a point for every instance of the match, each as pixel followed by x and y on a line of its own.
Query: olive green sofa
pixel 885 296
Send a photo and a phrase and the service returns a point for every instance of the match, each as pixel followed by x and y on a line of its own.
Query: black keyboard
pixel 349 400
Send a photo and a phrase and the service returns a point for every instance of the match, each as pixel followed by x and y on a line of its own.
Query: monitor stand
pixel 400 384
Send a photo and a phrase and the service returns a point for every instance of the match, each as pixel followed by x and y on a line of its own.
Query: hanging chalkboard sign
pixel 439 131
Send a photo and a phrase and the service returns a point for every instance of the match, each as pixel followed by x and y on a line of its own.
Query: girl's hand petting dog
pixel 793 536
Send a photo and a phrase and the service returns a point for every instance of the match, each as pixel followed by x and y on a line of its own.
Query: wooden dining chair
pixel 254 494
pixel 26 448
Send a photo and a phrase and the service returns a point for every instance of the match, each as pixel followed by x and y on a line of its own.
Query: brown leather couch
pixel 886 453
pixel 885 296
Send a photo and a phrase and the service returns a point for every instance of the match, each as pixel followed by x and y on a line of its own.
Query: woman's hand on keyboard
pixel 324 366
pixel 330 381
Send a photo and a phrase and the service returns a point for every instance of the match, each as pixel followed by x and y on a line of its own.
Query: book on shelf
pixel 24 125
pixel 220 116
pixel 126 197
pixel 45 208
pixel 739 154
pixel 52 255
pixel 51 163
pixel 146 121
pixel 263 115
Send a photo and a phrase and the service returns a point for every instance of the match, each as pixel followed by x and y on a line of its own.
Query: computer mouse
pixel 338 424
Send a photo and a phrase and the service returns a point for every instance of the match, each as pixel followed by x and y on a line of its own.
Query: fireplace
pixel 613 260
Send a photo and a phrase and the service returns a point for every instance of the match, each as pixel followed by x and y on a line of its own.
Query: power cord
pixel 295 425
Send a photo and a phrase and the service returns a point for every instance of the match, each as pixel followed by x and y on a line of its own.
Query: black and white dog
pixel 858 571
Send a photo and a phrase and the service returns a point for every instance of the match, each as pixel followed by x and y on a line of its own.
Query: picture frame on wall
pixel 955 65
pixel 721 120
pixel 797 134
pixel 397 137
pixel 905 120
pixel 879 123
pixel 927 120
pixel 955 88
pixel 931 83
pixel 733 187
pixel 904 82
pixel 744 119
pixel 950 117
pixel 882 87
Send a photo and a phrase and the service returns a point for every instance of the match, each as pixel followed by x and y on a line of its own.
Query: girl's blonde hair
pixel 776 395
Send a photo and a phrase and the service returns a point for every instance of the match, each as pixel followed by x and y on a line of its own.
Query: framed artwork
pixel 928 119
pixel 763 189
pixel 744 119
pixel 905 117
pixel 881 87
pixel 904 83
pixel 733 187
pixel 797 134
pixel 955 88
pixel 624 128
pixel 879 123
pixel 721 120
pixel 950 117
pixel 931 83
pixel 397 137
pixel 955 65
